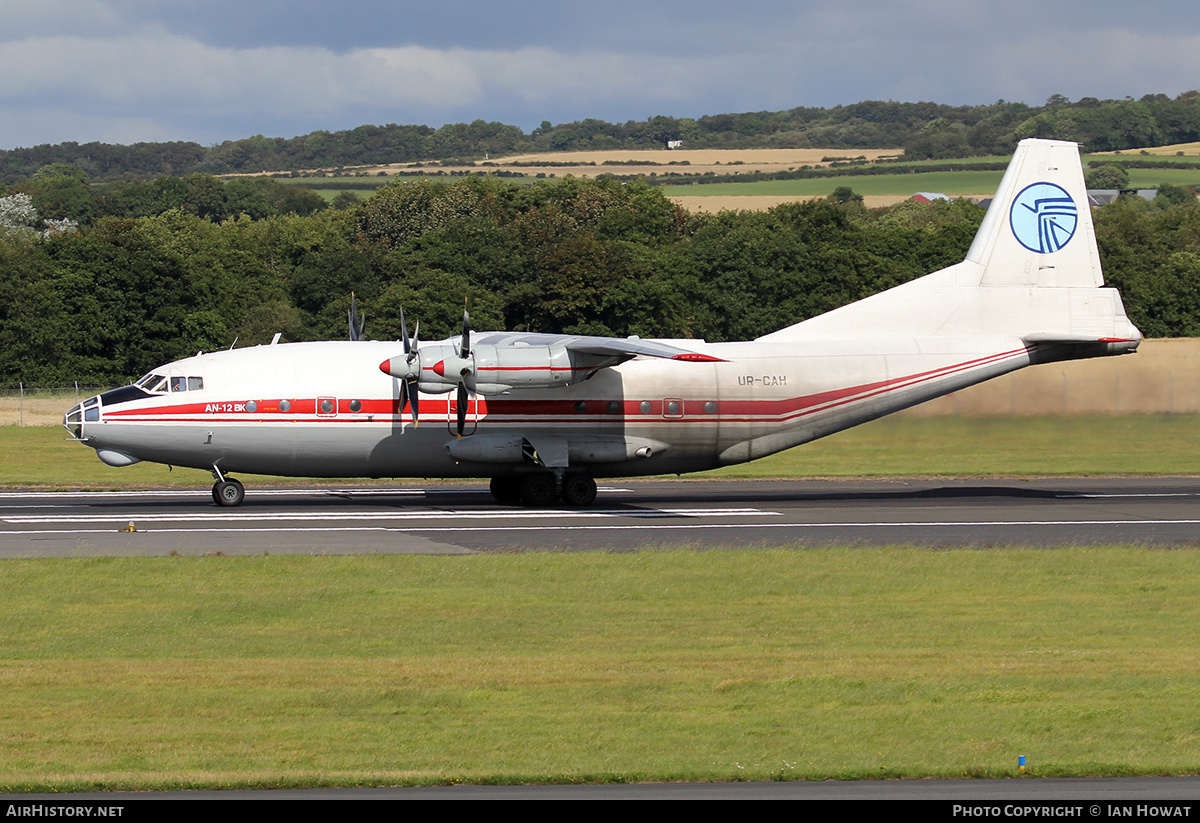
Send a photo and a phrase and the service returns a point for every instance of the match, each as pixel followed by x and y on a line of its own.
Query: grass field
pixel 671 665
pixel 953 183
pixel 773 662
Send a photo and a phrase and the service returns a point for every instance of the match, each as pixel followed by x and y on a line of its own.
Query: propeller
pixel 411 379
pixel 356 323
pixel 450 366
pixel 464 351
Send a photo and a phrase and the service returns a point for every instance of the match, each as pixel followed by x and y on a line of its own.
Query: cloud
pixel 88 69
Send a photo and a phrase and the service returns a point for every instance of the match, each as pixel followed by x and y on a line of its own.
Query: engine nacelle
pixel 500 368
pixel 497 369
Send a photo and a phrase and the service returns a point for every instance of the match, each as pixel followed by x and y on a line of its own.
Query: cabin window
pixel 251 407
pixel 355 406
pixel 187 383
pixel 710 407
pixel 285 405
pixel 644 407
pixel 580 406
pixel 614 406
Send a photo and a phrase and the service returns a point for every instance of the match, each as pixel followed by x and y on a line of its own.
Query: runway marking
pixel 1097 495
pixel 490 514
pixel 310 492
pixel 614 527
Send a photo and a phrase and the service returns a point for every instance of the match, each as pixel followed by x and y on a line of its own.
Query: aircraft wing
pixel 618 348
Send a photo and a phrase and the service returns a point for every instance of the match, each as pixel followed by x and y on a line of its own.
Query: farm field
pixel 878 189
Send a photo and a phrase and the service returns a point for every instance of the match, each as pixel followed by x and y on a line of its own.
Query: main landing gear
pixel 541 489
pixel 227 491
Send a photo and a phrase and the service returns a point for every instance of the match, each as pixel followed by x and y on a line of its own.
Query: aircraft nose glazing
pixel 86 412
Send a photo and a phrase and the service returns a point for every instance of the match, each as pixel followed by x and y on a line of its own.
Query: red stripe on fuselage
pixel 502 409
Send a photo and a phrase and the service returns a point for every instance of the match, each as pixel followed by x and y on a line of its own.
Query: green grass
pixel 1151 178
pixel 946 182
pixel 994 446
pixel 670 665
pixel 949 182
pixel 982 446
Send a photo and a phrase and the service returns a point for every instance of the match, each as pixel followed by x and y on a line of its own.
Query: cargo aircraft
pixel 543 415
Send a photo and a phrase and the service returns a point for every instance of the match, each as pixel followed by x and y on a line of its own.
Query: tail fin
pixel 1033 272
pixel 1038 230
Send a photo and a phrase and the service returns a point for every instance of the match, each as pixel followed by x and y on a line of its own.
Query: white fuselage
pixel 325 409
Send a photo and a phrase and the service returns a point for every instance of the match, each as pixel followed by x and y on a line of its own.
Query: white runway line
pixel 611 527
pixel 490 514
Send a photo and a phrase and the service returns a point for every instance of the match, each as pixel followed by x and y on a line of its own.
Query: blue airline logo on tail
pixel 1043 217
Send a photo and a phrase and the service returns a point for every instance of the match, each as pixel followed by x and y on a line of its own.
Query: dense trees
pixel 127 292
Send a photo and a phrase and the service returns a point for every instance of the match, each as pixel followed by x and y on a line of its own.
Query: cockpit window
pixel 159 384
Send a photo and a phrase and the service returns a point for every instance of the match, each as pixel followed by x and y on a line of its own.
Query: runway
pixel 628 516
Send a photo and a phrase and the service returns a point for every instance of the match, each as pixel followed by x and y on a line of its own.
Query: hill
pixel 922 130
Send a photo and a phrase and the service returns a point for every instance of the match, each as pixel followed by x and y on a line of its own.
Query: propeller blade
pixel 465 351
pixel 462 408
pixel 356 323
pixel 404 331
pixel 413 392
pixel 408 397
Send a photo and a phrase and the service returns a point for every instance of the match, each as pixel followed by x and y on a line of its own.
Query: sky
pixel 127 71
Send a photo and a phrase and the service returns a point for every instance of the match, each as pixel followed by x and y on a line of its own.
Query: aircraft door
pixel 472 420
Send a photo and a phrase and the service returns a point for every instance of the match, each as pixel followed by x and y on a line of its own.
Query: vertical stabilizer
pixel 1038 230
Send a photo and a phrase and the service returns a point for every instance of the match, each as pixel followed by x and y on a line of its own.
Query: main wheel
pixel 228 492
pixel 538 490
pixel 506 490
pixel 578 489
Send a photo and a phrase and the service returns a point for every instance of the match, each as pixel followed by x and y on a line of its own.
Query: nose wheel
pixel 228 492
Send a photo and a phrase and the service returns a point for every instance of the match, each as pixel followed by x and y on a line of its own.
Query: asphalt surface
pixel 628 516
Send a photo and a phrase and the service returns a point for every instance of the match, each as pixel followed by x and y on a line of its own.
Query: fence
pixel 41 404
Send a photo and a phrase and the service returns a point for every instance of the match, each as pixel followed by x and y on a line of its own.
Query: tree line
pixel 924 130
pixel 113 298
